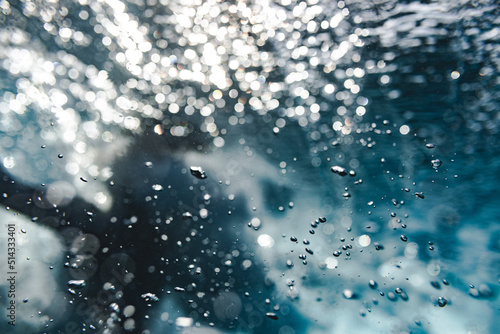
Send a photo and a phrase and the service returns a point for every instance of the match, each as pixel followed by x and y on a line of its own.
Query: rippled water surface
pixel 188 166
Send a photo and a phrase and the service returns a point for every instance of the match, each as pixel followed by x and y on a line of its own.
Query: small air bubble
pixel 348 294
pixel 272 315
pixel 339 170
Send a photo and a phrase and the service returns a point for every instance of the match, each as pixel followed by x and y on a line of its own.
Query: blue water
pixel 168 166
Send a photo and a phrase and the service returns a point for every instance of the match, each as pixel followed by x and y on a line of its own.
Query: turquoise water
pixel 251 167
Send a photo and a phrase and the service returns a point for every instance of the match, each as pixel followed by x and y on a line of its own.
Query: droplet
pixel 294 239
pixel 197 172
pixel 404 238
pixel 179 289
pixel 430 145
pixel 83 179
pixel 60 156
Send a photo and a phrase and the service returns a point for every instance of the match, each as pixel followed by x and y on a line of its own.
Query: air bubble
pixel 197 172
pixel 436 163
pixel 339 170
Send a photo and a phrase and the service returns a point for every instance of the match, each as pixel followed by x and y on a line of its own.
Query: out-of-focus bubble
pixel 118 268
pixel 411 250
pixel 9 162
pixel 203 213
pixel 83 267
pixel 331 262
pixel 129 311
pixel 404 130
pixel 219 142
pixel 100 198
pixel 364 240
pixel 433 269
pixel 60 193
pixel 265 240
pixel 85 244
pixel 129 324
pixel 247 264
pixel 183 321
pixel 255 223
pixel 443 217
pixel 227 306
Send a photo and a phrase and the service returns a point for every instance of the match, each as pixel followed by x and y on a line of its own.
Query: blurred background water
pixel 108 107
